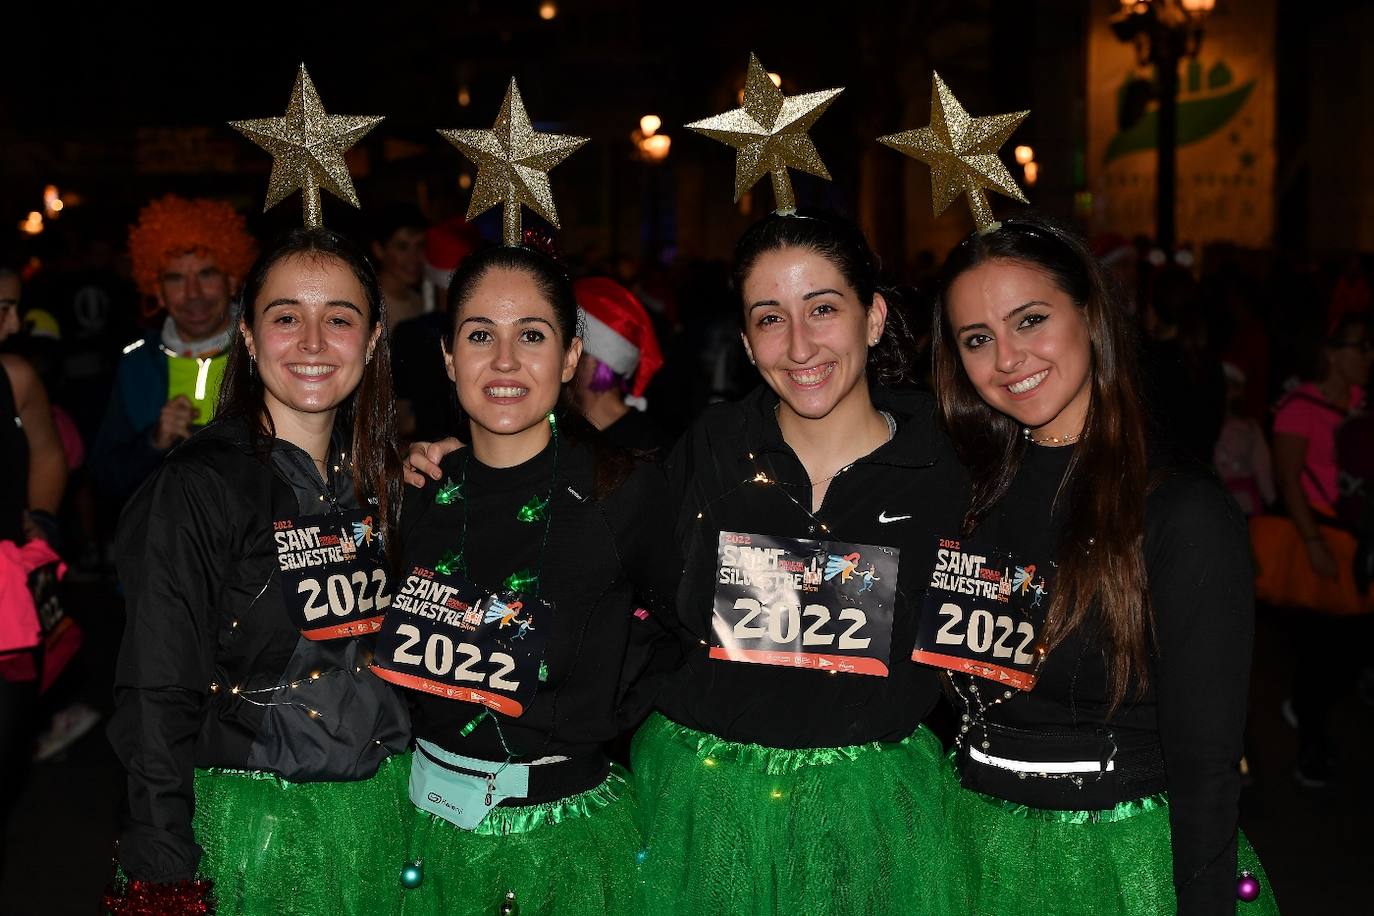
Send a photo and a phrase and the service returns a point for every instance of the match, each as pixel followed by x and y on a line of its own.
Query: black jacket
pixel 904 494
pixel 207 624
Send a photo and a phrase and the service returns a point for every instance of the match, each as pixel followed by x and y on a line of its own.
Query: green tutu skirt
pixel 273 846
pixel 1118 862
pixel 571 857
pixel 749 830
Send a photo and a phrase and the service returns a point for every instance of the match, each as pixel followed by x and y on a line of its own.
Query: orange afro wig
pixel 172 226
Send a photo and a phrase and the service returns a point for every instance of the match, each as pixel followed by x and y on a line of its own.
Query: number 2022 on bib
pixel 448 638
pixel 982 615
pixel 797 603
pixel 333 573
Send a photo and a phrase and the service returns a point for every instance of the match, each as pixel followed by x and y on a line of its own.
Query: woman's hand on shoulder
pixel 422 460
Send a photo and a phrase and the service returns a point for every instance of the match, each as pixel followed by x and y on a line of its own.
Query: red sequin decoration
pixel 149 898
pixel 540 241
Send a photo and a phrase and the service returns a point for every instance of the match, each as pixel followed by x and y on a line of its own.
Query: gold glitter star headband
pixel 307 147
pixel 962 154
pixel 513 163
pixel 770 134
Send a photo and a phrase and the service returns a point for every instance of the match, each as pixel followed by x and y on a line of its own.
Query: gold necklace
pixel 1051 440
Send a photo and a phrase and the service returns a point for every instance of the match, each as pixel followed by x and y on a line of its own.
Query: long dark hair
pixel 369 412
pixel 613 464
pixel 1101 558
pixel 843 244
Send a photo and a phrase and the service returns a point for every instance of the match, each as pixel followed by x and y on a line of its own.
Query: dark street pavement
pixel 1317 846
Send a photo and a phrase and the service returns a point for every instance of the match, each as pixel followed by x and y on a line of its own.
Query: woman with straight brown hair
pixel 1100 678
pixel 266 764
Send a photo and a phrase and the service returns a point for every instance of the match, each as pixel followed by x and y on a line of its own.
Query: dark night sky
pixel 198 65
pixel 86 81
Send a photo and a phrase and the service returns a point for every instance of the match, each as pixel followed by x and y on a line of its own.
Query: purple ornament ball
pixel 1247 887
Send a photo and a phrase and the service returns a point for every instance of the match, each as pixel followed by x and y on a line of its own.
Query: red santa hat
pixel 618 333
pixel 447 244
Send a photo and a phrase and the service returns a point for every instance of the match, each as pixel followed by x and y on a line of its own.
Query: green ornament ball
pixel 412 875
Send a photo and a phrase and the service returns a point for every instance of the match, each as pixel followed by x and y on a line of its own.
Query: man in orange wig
pixel 188 258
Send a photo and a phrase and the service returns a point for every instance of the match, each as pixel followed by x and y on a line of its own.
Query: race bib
pixel 982 615
pixel 804 604
pixel 333 573
pixel 446 637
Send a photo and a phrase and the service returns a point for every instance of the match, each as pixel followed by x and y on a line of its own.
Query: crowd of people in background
pixel 114 354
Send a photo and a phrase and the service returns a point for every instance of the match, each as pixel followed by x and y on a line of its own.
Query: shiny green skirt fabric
pixel 1117 862
pixel 743 829
pixel 273 846
pixel 571 857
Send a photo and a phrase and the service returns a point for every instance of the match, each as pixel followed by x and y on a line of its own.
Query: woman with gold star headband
pixel 266 766
pixel 1099 667
pixel 787 769
pixel 526 557
pixel 258 747
pixel 1106 779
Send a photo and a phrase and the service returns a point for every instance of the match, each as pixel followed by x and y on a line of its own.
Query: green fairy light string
pixel 477 720
pixel 522 581
pixel 472 726
pixel 533 511
pixel 537 508
pixel 448 493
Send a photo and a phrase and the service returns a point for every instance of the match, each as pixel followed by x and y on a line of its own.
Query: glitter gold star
pixel 513 163
pixel 962 154
pixel 770 134
pixel 307 147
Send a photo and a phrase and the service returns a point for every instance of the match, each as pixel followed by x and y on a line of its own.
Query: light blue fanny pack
pixel 461 789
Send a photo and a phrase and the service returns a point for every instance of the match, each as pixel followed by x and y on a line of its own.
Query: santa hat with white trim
pixel 619 333
pixel 447 244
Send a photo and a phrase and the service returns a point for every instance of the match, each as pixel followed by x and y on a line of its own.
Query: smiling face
pixel 311 333
pixel 807 331
pixel 509 360
pixel 1024 345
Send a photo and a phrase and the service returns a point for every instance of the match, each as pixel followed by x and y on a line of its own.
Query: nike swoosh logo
pixel 884 518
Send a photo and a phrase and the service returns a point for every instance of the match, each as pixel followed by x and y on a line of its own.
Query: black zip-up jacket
pixel 905 494
pixel 202 587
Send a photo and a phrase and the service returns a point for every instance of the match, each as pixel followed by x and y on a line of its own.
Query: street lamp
pixel 1164 32
pixel 652 145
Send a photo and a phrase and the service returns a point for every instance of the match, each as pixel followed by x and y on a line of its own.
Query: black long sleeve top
pixel 1184 734
pixel 903 495
pixel 209 645
pixel 605 559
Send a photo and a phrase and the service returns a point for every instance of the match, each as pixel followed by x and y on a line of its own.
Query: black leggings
pixel 18 715
pixel 1328 651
